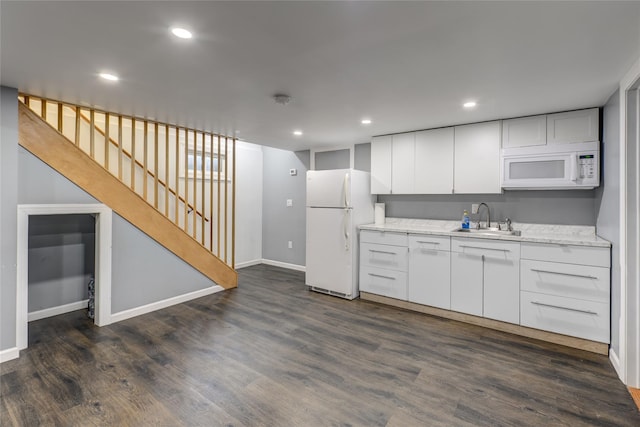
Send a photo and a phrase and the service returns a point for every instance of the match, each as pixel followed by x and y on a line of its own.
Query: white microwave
pixel 551 167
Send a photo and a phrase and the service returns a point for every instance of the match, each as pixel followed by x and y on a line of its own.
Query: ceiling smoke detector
pixel 281 98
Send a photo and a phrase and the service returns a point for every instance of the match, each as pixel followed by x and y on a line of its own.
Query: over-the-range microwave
pixel 551 167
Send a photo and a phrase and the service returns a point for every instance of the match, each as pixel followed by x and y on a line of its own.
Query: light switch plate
pixel 289 203
pixel 474 208
pixel 293 172
pixel 290 244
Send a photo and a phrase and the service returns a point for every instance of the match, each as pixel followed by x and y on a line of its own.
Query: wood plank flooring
pixel 272 353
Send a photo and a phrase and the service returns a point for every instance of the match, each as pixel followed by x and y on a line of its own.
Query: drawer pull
pixel 564 308
pixel 564 274
pixel 381 276
pixel 487 249
pixel 423 241
pixel 382 252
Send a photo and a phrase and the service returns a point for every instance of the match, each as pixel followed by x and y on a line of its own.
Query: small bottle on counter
pixel 465 220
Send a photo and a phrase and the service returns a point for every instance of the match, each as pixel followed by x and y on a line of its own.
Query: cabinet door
pixel 477 158
pixel 429 276
pixel 381 165
pixel 434 161
pixel 403 163
pixel 388 283
pixel 466 283
pixel 502 283
pixel 524 131
pixel 573 126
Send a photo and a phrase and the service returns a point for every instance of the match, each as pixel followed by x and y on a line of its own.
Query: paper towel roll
pixel 379 214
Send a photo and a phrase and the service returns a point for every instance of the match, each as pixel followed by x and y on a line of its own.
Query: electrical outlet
pixel 290 244
pixel 474 208
pixel 293 172
pixel 289 203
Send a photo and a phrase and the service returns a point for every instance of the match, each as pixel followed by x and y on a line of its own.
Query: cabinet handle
pixel 488 249
pixel 424 241
pixel 564 274
pixel 564 308
pixel 382 252
pixel 381 276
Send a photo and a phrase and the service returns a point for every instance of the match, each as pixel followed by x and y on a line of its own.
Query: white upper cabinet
pixel 524 131
pixel 403 163
pixel 381 164
pixel 573 126
pixel 434 161
pixel 477 158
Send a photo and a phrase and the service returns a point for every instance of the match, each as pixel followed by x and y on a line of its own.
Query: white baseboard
pixel 615 361
pixel 248 263
pixel 9 354
pixel 54 311
pixel 133 312
pixel 284 265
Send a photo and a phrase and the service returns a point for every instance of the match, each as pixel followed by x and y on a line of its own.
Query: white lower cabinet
pixel 429 270
pixel 485 276
pixel 383 263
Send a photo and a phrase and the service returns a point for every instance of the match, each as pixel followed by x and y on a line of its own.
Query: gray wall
pixel 281 224
pixel 336 159
pixel 61 259
pixel 608 205
pixel 544 207
pixel 362 157
pixel 8 214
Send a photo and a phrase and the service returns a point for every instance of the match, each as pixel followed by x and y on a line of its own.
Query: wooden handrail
pixel 126 153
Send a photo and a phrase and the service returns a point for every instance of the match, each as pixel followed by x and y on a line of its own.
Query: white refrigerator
pixel 337 202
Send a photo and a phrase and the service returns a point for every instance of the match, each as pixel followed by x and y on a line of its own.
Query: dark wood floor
pixel 271 353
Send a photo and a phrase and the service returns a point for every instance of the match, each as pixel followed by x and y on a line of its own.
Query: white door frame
pixel 103 261
pixel 627 363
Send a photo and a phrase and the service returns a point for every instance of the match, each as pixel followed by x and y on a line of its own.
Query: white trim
pixel 148 308
pixel 54 311
pixel 9 354
pixel 284 265
pixel 103 260
pixel 615 361
pixel 248 263
pixel 625 84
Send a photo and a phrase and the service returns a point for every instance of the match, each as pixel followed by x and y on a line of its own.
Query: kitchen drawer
pixel 429 242
pixel 384 256
pixel 384 282
pixel 567 280
pixel 489 248
pixel 383 237
pixel 570 254
pixel 568 316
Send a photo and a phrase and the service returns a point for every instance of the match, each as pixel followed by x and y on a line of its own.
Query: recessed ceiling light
pixel 366 121
pixel 297 132
pixel 109 76
pixel 181 33
pixel 469 104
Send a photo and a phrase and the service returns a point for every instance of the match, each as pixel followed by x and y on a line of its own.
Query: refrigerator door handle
pixel 346 189
pixel 346 231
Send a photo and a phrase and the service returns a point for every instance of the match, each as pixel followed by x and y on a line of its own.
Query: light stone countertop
pixel 536 233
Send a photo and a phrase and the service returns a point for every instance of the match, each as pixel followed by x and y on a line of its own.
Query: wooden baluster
pixel 186 181
pixel 145 170
pixel 43 109
pixel 219 195
pixel 195 183
pixel 133 154
pixel 77 139
pixel 155 167
pixel 120 147
pixel 177 182
pixel 202 182
pixel 106 141
pixel 92 136
pixel 166 170
pixel 211 195
pixel 60 122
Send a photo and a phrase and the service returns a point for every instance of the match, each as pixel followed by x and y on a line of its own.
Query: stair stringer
pixel 46 143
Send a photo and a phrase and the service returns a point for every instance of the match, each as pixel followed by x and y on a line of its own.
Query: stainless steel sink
pixel 487 232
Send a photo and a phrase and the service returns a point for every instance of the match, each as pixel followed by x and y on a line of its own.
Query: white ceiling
pixel 407 65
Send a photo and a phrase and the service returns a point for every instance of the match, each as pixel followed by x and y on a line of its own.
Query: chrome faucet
pixel 488 215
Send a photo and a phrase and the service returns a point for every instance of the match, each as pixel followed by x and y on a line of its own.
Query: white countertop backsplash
pixel 538 233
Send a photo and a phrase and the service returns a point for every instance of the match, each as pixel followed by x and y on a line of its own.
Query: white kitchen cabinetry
pixel 429 267
pixel 477 158
pixel 403 163
pixel 383 263
pixel 573 126
pixel 524 131
pixel 566 289
pixel 434 161
pixel 485 277
pixel 381 164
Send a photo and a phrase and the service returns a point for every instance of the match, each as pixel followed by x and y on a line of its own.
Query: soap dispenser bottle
pixel 465 220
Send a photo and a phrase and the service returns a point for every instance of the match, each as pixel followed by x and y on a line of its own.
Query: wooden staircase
pixel 52 147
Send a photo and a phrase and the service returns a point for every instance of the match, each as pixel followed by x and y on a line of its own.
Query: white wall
pixel 248 203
